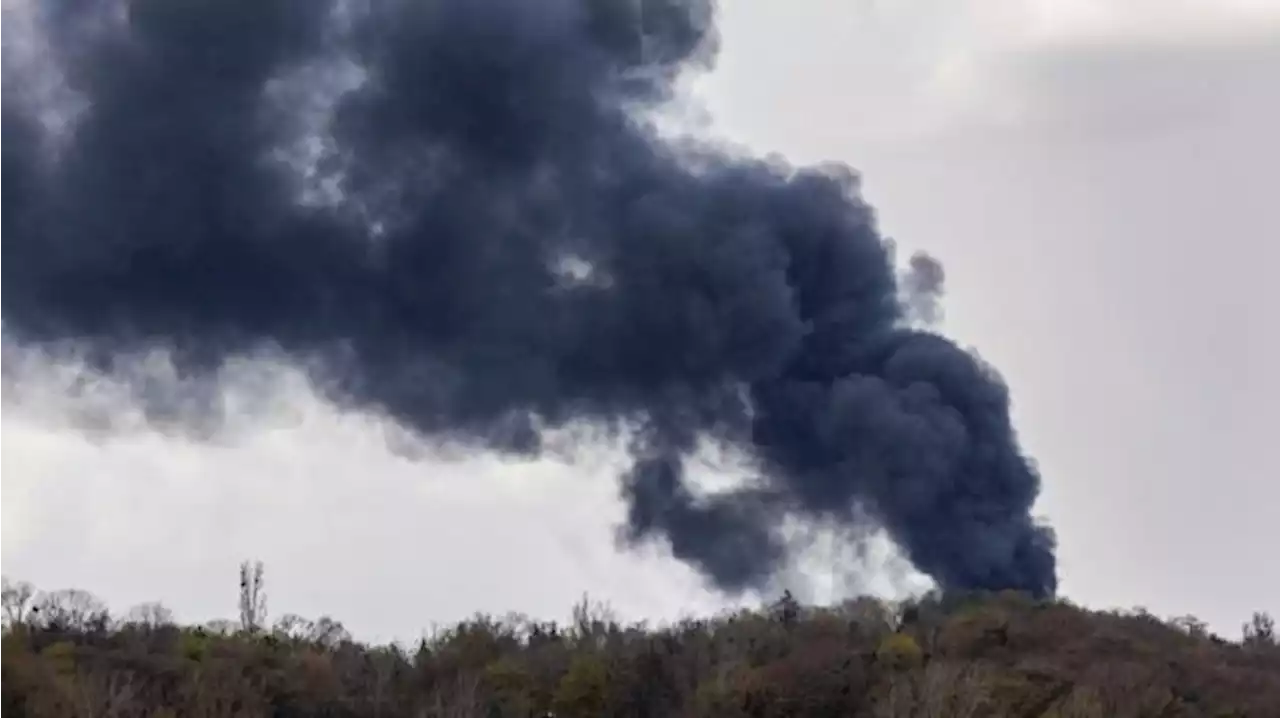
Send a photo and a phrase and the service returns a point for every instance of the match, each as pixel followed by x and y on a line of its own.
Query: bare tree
pixel 220 627
pixel 16 599
pixel 952 690
pixel 787 609
pixel 253 597
pixel 151 615
pixel 1191 626
pixel 324 631
pixel 462 700
pixel 292 626
pixel 105 693
pixel 941 690
pixel 870 618
pixel 71 608
pixel 899 701
pixel 1260 630
pixel 1082 701
pixel 328 632
pixel 593 621
pixel 383 663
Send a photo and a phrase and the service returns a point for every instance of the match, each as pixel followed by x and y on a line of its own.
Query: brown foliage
pixel 954 657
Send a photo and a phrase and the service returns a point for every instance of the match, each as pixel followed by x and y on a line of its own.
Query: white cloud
pixel 385 540
pixel 346 527
pixel 1090 21
pixel 902 71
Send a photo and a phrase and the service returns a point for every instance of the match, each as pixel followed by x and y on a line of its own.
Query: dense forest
pixel 936 656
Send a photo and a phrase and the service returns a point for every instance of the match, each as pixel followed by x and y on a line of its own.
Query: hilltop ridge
pixel 959 656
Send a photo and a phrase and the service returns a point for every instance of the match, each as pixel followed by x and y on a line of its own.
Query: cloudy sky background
pixel 1091 172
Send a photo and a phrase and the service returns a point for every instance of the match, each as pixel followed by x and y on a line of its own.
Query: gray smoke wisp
pixel 481 236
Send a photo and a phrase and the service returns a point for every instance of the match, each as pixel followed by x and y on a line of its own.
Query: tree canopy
pixel 957 656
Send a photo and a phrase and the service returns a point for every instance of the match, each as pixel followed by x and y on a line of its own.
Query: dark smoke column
pixel 488 239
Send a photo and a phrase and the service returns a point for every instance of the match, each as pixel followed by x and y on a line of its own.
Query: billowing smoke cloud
pixel 455 213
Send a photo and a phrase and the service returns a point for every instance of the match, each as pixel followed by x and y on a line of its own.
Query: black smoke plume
pixel 482 235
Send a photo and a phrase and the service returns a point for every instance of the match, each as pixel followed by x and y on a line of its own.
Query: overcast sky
pixel 1093 176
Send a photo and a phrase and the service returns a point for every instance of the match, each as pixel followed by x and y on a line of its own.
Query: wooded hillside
pixel 958 656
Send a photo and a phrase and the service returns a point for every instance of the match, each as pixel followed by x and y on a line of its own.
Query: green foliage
pixel 963 656
pixel 511 687
pixel 900 651
pixel 583 689
pixel 61 657
pixel 194 645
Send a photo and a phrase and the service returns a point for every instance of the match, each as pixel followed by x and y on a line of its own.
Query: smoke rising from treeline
pixel 482 236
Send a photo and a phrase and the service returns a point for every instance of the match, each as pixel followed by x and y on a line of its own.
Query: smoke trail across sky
pixel 481 236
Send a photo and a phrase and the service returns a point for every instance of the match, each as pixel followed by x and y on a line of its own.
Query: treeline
pixel 939 656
